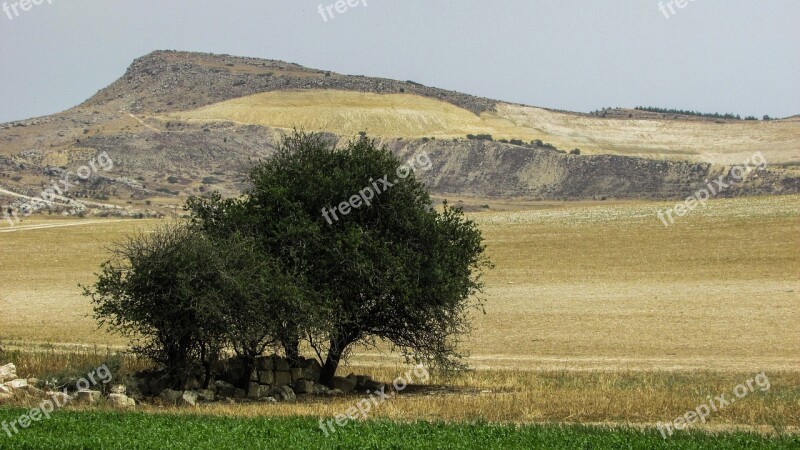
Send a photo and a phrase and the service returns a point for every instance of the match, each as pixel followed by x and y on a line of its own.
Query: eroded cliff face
pixel 490 169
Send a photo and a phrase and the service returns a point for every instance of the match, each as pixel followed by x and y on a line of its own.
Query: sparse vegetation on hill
pixel 689 113
pixel 480 137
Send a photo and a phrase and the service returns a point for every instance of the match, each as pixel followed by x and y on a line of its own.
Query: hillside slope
pixel 179 124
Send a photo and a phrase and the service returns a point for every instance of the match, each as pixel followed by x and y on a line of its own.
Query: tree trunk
pixel 206 361
pixel 292 348
pixel 249 365
pixel 207 378
pixel 331 364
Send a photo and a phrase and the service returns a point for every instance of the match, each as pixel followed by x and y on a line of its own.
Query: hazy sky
pixel 740 56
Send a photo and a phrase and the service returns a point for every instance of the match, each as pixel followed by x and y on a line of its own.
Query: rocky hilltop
pixel 176 81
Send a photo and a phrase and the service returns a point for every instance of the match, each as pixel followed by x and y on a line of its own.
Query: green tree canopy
pixel 392 269
pixel 182 298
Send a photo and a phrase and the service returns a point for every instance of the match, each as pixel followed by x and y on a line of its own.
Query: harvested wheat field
pixel 603 286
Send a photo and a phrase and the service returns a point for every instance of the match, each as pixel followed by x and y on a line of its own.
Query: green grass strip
pixel 112 430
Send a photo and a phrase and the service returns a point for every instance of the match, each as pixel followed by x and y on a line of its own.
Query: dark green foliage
pixel 688 113
pixel 480 137
pixel 154 292
pixel 484 137
pixel 181 298
pixel 396 270
pixel 575 151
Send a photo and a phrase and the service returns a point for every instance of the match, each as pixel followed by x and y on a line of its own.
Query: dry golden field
pixel 595 312
pixel 631 397
pixel 576 285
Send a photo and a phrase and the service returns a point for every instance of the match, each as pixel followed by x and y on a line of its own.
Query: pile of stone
pixel 275 377
pixel 12 387
pixel 9 372
pixel 272 379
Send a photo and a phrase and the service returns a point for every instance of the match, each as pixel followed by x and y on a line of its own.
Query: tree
pixel 182 298
pixel 256 299
pixel 392 269
pixel 154 291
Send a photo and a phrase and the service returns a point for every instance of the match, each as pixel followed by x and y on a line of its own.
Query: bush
pixel 173 179
pixel 517 142
pixel 575 151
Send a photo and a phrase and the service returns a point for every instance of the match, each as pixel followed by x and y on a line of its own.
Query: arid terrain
pixel 596 312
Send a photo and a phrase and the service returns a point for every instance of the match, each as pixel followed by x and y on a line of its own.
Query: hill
pixel 180 123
